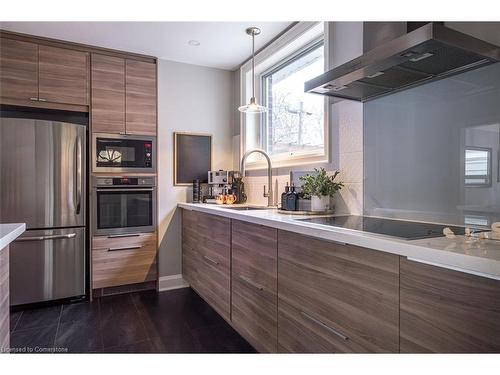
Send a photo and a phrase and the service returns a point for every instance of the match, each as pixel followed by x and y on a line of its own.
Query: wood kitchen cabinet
pixel 286 292
pixel 4 300
pixel 18 69
pixel 123 260
pixel 254 284
pixel 41 75
pixel 63 75
pixel 123 96
pixel 108 94
pixel 335 297
pixel 140 97
pixel 206 258
pixel 44 73
pixel 446 311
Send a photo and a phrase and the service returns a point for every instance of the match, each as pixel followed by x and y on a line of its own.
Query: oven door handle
pixel 124 189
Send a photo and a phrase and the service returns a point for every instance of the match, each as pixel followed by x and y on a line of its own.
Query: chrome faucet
pixel 269 195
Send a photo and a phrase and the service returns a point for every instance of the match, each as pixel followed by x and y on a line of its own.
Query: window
pixel 477 166
pixel 294 131
pixel 295 122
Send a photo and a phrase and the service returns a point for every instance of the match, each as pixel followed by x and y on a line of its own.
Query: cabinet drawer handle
pixel 103 190
pixel 213 261
pixel 34 99
pixel 251 283
pixel 124 248
pixel 46 238
pixel 123 235
pixel 328 328
pixel 42 100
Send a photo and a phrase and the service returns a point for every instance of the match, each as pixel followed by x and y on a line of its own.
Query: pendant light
pixel 253 107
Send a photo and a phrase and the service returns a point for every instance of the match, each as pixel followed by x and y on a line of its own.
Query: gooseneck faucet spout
pixel 269 194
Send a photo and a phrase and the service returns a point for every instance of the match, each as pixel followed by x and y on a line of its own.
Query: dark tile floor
pixel 176 321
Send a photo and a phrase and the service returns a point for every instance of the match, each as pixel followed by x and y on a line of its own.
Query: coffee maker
pixel 225 182
pixel 219 182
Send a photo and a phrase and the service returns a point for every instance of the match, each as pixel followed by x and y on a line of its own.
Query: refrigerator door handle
pixel 45 238
pixel 78 171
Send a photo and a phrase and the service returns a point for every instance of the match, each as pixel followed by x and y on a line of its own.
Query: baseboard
pixel 121 289
pixel 171 282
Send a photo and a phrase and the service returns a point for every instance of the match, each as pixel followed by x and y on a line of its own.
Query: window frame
pixel 489 175
pixel 290 59
pixel 293 41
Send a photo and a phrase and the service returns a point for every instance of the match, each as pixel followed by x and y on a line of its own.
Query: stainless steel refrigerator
pixel 43 184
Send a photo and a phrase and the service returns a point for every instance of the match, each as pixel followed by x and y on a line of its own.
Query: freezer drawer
pixel 47 265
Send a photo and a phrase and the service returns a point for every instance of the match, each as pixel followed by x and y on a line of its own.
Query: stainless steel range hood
pixel 426 54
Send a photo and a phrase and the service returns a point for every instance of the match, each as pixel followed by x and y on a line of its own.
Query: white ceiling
pixel 223 45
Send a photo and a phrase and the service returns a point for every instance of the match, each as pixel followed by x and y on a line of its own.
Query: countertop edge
pixel 9 232
pixel 467 263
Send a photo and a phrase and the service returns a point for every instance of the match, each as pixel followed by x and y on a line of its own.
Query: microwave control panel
pixel 148 154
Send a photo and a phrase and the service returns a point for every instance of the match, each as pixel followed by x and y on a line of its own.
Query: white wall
pixel 190 99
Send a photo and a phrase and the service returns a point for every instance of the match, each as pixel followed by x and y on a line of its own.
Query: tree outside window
pixel 294 122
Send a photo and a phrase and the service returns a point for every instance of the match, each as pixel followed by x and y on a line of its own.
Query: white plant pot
pixel 320 203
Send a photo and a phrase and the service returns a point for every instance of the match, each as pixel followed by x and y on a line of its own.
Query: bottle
pixel 292 199
pixel 283 197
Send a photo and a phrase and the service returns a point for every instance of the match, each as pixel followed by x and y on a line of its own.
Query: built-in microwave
pixel 123 153
pixel 124 205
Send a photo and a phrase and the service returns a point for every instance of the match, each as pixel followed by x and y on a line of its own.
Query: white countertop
pixel 9 232
pixel 471 255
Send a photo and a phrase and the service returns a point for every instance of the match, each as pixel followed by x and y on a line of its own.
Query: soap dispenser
pixel 283 197
pixel 292 199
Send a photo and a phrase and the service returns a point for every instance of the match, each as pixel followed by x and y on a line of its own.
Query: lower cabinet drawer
pixel 254 285
pixel 447 311
pixel 206 260
pixel 123 260
pixel 336 290
pixel 213 277
pixel 302 332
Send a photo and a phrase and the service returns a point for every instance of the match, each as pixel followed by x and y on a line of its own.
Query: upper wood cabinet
pixel 48 74
pixel 18 69
pixel 446 311
pixel 108 94
pixel 254 283
pixel 336 298
pixel 63 75
pixel 123 96
pixel 140 81
pixel 41 75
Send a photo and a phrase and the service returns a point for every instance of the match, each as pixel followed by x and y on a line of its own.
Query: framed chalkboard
pixel 192 157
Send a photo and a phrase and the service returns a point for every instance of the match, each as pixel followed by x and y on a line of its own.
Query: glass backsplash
pixel 432 152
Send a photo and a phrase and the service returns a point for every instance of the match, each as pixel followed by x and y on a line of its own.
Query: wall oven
pixel 124 205
pixel 123 153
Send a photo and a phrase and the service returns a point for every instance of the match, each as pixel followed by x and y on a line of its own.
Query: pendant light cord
pixel 253 64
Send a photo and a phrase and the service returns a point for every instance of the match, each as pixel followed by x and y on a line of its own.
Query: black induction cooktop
pixel 409 230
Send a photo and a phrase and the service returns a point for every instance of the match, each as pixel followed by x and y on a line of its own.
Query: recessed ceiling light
pixel 194 43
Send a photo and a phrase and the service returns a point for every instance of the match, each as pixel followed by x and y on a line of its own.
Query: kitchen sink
pixel 245 208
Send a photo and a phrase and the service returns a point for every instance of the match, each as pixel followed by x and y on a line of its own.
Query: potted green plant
pixel 320 187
